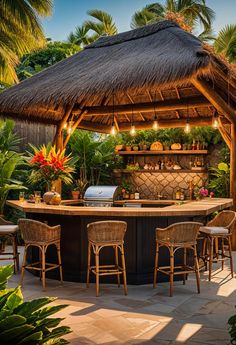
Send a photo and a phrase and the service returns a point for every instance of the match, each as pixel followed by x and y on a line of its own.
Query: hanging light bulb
pixel 70 127
pixel 215 121
pixel 113 129
pixel 187 128
pixel 65 126
pixel 155 124
pixel 132 130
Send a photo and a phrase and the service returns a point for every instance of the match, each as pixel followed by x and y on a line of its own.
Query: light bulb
pixel 113 130
pixel 187 127
pixel 132 130
pixel 70 127
pixel 215 122
pixel 155 125
pixel 65 126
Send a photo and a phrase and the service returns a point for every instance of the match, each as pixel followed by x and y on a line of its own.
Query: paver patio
pixel 145 316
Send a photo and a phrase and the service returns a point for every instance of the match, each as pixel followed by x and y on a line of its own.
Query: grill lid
pixel 101 193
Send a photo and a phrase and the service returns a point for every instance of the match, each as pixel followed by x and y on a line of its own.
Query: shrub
pixel 27 323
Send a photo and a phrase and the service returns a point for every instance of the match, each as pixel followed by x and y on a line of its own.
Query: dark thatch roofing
pixel 138 66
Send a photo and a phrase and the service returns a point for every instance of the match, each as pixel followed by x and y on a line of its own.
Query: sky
pixel 68 14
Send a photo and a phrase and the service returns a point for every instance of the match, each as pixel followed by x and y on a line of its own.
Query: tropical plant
pixel 28 322
pixel 20 32
pixel 220 180
pixel 10 162
pixel 206 134
pixel 187 13
pixel 8 139
pixel 232 331
pixel 226 42
pixel 101 24
pixel 35 62
pixel 95 156
pixel 48 165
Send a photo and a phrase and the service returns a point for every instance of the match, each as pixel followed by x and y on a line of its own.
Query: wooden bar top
pixel 189 208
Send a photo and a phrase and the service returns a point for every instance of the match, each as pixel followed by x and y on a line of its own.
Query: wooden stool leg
pixel 59 261
pixel 89 264
pixel 211 256
pixel 117 264
pixel 97 269
pixel 222 253
pixel 156 265
pixel 204 252
pixel 16 253
pixel 13 243
pixel 185 263
pixel 230 257
pixel 23 265
pixel 171 270
pixel 124 269
pixel 217 248
pixel 43 266
pixel 196 267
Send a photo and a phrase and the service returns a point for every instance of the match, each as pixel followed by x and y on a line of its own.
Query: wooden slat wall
pixel 34 133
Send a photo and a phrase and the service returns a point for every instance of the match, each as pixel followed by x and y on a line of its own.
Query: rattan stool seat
pixel 217 234
pixel 9 230
pixel 174 237
pixel 106 234
pixel 40 235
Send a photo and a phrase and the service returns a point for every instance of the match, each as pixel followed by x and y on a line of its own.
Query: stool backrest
pixel 106 231
pixel 184 232
pixel 34 231
pixel 225 219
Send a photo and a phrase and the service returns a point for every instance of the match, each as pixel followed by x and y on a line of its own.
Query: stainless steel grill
pixel 101 196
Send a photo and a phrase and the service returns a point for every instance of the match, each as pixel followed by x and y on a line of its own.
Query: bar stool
pixel 174 237
pixel 10 230
pixel 106 234
pixel 37 234
pixel 218 232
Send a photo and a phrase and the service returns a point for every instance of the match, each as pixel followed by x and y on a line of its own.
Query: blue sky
pixel 70 13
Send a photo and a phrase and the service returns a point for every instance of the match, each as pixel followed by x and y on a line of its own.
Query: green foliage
pixel 232 331
pixel 20 32
pixel 27 322
pixel 206 134
pixel 226 42
pixel 8 139
pixel 95 156
pixel 220 180
pixel 37 61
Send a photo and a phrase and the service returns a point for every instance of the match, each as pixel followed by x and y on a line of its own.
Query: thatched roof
pixel 153 63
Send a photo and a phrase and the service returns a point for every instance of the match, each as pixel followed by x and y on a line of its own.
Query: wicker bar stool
pixel 40 235
pixel 9 230
pixel 106 234
pixel 217 234
pixel 174 237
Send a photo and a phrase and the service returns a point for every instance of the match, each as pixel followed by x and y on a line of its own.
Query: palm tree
pixel 103 25
pixel 226 42
pixel 187 13
pixel 20 32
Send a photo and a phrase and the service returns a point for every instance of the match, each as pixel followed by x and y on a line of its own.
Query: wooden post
pixel 233 176
pixel 58 138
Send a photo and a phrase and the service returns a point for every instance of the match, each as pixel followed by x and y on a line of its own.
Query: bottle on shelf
pixel 194 147
pixel 178 195
pixel 136 195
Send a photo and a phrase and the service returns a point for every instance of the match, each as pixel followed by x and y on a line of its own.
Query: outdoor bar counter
pixel 139 239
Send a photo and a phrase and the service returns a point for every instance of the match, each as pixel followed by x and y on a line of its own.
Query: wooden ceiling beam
pixel 215 99
pixel 170 105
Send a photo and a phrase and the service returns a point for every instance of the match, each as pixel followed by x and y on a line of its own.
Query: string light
pixel 187 128
pixel 155 124
pixel 132 130
pixel 113 127
pixel 215 120
pixel 65 126
pixel 70 127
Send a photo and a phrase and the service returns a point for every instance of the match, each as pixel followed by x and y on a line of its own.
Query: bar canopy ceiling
pixel 127 78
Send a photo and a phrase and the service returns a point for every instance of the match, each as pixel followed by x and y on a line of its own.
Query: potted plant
pixel 75 193
pixel 126 189
pixel 81 183
pixel 167 144
pixel 49 165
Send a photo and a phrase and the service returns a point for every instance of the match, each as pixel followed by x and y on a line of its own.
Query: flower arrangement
pixel 48 165
pixel 201 193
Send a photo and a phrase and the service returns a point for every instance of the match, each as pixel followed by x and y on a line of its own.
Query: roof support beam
pixel 147 107
pixel 123 127
pixel 215 99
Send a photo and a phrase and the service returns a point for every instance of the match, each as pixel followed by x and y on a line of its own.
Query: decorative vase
pixel 128 148
pixel 135 148
pixel 132 196
pixel 75 194
pixel 125 195
pixel 52 198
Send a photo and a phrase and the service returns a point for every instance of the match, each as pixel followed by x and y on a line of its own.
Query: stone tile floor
pixel 145 316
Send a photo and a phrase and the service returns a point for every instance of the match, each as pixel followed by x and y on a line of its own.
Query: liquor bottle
pixel 136 195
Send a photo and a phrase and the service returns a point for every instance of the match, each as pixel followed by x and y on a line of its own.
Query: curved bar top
pixel 187 208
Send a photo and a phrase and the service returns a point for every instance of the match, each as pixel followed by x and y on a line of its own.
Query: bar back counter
pixel 139 238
